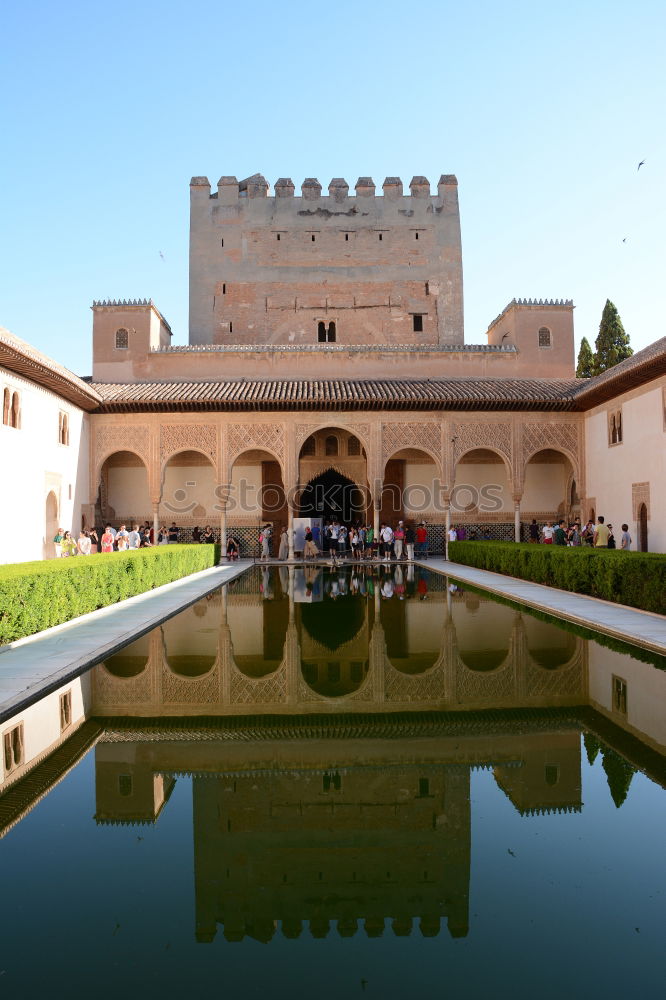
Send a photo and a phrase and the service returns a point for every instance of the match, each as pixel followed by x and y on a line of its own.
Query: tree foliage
pixel 585 366
pixel 612 343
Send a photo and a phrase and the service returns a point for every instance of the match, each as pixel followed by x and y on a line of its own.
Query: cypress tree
pixel 612 344
pixel 585 366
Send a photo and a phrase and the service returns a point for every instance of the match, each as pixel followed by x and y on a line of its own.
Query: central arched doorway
pixel 642 528
pixel 331 495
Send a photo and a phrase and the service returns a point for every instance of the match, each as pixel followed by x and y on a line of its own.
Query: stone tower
pixel 338 268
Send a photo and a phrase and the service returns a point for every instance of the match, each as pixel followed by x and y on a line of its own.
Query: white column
pixel 156 521
pixel 290 528
pixel 223 533
pixel 516 518
pixel 447 528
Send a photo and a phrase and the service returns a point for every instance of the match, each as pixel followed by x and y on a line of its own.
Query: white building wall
pixel 640 458
pixel 33 463
pixel 646 693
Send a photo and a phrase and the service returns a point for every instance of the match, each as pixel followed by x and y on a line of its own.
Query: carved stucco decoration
pixel 110 438
pixel 175 438
pixel 261 690
pixel 177 690
pixel 424 436
pixel 248 437
pixel 429 686
pixel 566 681
pixel 111 691
pixel 474 685
pixel 555 435
pixel 495 436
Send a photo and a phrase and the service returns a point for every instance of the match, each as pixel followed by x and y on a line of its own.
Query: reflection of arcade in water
pixel 366 824
pixel 379 639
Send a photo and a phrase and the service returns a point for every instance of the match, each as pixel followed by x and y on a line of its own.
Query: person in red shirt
pixel 422 541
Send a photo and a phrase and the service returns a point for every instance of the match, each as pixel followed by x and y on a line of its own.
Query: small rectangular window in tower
pixel 346 237
pixel 620 695
pixel 313 237
pixel 65 711
pixel 221 243
pixel 544 337
pixel 122 339
pixel 416 236
pixel 424 788
pixel 417 323
pixel 381 237
pixel 277 236
pixel 231 327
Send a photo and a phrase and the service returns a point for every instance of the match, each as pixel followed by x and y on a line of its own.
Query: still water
pixel 339 784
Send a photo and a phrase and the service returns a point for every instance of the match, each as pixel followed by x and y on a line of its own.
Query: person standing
pixel 57 541
pixel 386 536
pixel 173 533
pixel 453 534
pixel 611 537
pixel 83 543
pixel 106 540
pixel 265 539
pixel 559 534
pixel 398 539
pixel 283 551
pixel 601 534
pixel 410 539
pixel 548 531
pixel 534 532
pixel 68 546
pixel 134 538
pixel 625 540
pixel 196 535
pixel 208 537
pixel 310 550
pixel 422 540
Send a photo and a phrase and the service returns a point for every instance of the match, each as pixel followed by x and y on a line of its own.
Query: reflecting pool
pixel 335 783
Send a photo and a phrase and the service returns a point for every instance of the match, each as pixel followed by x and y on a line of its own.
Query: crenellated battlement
pixel 230 189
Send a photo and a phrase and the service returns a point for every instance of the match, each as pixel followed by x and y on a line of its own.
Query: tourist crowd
pixel 357 541
pixel 598 536
pixel 122 539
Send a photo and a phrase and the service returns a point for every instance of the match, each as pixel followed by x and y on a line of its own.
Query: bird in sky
pixel 162 255
pixel 624 240
pixel 640 165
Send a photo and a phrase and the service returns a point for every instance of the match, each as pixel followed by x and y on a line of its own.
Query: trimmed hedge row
pixel 637 579
pixel 37 595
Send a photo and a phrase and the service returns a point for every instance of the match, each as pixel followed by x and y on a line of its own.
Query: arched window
pixel 15 418
pixel 353 446
pixel 331 333
pixel 6 405
pixel 613 430
pixel 63 428
pixel 309 446
pixel 619 426
pixel 331 445
pixel 122 339
pixel 321 332
pixel 544 337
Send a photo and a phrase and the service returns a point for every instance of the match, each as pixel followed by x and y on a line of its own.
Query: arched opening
pixel 6 406
pixel 258 626
pixel 409 487
pixel 331 333
pixel 131 660
pixel 482 495
pixel 546 494
pixel 258 495
pixel 613 430
pixel 333 636
pixel 333 496
pixel 51 525
pixel 15 416
pixel 331 445
pixel 549 646
pixel 123 495
pixel 333 492
pixel 413 634
pixel 643 528
pixel 190 640
pixel 188 490
pixel 321 332
pixel 483 649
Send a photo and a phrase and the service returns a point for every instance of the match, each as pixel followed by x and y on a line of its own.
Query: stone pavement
pixel 640 628
pixel 38 664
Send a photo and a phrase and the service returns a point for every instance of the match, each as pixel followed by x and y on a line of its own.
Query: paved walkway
pixel 31 667
pixel 641 628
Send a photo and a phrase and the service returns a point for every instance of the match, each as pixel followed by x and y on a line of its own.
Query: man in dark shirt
pixel 173 533
pixel 560 535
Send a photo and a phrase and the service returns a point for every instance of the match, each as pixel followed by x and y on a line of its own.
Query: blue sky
pixel 543 112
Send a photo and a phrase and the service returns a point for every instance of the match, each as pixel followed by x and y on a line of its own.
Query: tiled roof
pixel 462 393
pixel 23 359
pixel 640 368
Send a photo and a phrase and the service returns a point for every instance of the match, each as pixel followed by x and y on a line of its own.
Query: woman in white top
pixel 84 543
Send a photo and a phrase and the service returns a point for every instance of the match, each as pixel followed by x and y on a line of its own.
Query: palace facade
pixel 327 372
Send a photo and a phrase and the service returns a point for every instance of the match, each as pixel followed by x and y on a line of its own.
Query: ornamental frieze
pixel 246 437
pixel 175 438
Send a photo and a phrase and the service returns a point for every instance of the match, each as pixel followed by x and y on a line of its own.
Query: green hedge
pixel 37 595
pixel 637 579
